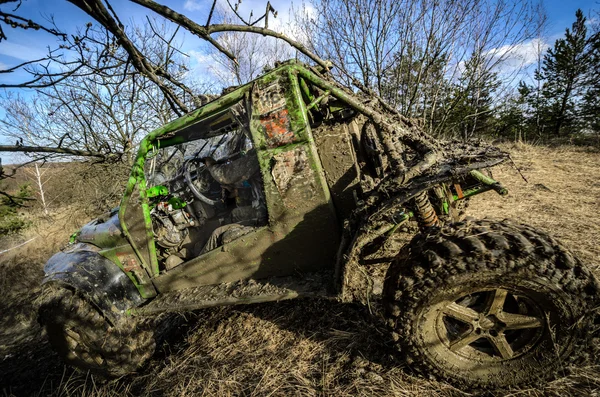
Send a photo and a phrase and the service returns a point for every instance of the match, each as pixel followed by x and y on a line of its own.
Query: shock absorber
pixel 427 215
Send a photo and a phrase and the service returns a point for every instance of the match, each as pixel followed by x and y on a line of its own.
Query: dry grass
pixel 562 195
pixel 319 347
pixel 23 350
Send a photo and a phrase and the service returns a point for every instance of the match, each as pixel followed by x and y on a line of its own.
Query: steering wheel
pixel 200 167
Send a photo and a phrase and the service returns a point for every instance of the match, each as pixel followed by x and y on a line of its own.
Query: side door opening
pixel 204 187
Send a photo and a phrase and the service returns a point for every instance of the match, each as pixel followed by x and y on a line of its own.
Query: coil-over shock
pixel 426 213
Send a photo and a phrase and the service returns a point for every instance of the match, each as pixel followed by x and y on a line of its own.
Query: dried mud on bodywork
pixel 290 186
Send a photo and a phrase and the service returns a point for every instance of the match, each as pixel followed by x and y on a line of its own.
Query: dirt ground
pixel 305 347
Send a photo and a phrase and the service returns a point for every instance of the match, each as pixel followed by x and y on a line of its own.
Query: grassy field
pixel 296 348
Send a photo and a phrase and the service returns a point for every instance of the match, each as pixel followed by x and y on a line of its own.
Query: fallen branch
pixel 17 246
pixel 58 150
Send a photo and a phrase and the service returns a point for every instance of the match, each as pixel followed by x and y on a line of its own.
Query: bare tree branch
pixel 204 32
pixel 13 199
pixel 268 32
pixel 97 10
pixel 11 1
pixel 58 150
pixel 16 21
pixel 184 21
pixel 167 42
pixel 235 11
pixel 210 14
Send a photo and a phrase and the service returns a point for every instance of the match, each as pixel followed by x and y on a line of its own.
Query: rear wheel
pixel 84 339
pixel 489 304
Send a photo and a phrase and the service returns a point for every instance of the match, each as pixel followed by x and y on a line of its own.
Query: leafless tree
pixel 109 55
pixel 37 173
pixel 410 52
pixel 103 113
pixel 252 53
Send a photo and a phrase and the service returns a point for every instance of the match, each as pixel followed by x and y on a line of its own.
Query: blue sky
pixel 26 45
pixel 561 14
pixel 22 46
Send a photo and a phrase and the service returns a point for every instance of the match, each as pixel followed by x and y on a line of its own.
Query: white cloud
pixel 21 52
pixel 202 66
pixel 523 54
pixel 514 60
pixel 193 5
pixel 199 58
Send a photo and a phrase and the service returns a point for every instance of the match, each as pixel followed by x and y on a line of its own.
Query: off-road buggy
pixel 293 186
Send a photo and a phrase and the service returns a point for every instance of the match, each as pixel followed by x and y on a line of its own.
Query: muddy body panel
pixel 301 245
pixel 104 235
pixel 83 269
pixel 339 160
pixel 103 232
pixel 241 292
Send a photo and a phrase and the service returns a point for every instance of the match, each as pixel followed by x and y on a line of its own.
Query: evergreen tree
pixel 536 113
pixel 512 119
pixel 416 84
pixel 472 113
pixel 590 108
pixel 566 73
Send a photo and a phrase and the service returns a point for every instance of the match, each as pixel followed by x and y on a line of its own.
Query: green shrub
pixel 11 221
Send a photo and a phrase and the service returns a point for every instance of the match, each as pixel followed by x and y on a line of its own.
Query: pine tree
pixel 536 112
pixel 511 120
pixel 416 84
pixel 565 72
pixel 473 113
pixel 590 108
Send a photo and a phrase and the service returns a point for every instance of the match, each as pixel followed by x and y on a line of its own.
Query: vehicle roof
pixel 212 116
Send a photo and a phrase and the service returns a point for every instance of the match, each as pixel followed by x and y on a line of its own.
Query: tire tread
pixel 482 245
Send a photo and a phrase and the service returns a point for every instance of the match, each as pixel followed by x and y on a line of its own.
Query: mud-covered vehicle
pixel 293 186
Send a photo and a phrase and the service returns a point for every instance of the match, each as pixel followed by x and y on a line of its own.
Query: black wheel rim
pixel 491 324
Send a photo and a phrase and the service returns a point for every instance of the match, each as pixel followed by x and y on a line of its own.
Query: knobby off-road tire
pixel 485 304
pixel 84 339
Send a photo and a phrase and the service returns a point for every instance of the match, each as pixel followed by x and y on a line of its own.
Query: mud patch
pixel 26 358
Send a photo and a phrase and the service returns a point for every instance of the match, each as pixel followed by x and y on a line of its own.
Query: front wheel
pixel 84 339
pixel 489 304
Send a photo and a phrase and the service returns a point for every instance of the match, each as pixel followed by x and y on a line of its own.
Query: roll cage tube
pixel 151 141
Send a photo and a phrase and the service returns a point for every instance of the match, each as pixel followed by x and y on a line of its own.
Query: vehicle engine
pixel 171 225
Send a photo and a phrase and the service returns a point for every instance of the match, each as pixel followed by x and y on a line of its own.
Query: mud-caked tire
pixel 86 340
pixel 488 304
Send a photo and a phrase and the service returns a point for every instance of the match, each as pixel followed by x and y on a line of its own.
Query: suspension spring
pixel 427 215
